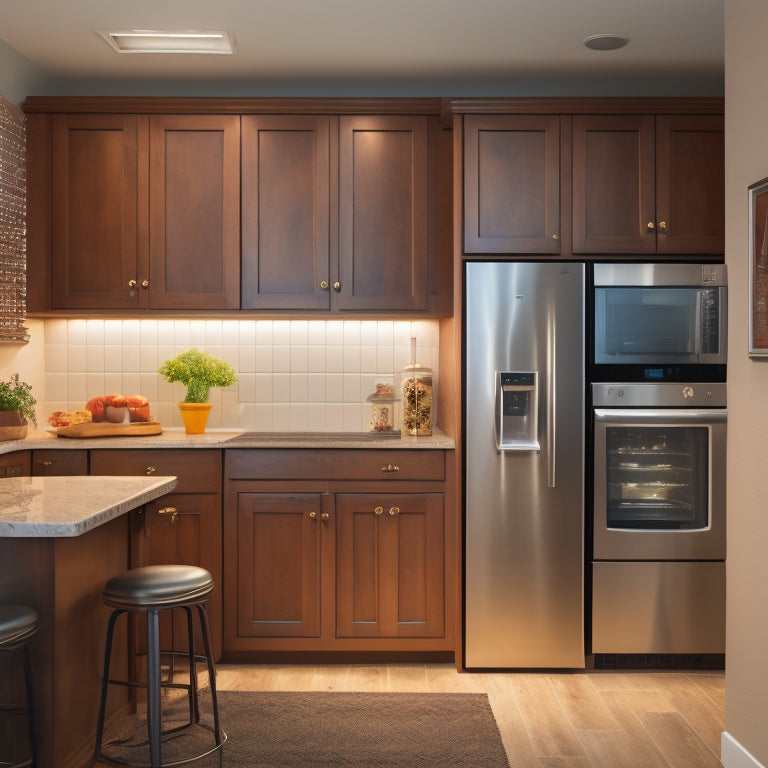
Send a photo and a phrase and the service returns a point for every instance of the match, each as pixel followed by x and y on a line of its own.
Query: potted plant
pixel 17 407
pixel 198 371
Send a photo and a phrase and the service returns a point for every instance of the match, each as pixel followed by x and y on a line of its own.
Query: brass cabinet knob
pixel 651 226
pixel 324 284
pixel 171 512
pixel 663 227
pixel 555 236
pixel 151 470
pixel 337 286
pixel 394 511
pixel 325 517
pixel 390 468
pixel 313 515
pixel 378 511
pixel 145 283
pixel 131 283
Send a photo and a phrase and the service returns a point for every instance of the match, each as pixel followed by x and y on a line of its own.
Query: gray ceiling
pixel 403 42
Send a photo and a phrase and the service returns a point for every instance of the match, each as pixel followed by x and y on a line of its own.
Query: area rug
pixel 342 730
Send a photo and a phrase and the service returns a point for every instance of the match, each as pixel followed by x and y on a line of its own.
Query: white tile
pixel 352 332
pixel 281 416
pixel 316 387
pixel 299 358
pixel 385 360
pixel 56 331
pixel 281 387
pixel 230 332
pixel 281 358
pixel 385 331
pixel 76 332
pixel 263 359
pixel 56 358
pixel 148 332
pixel 263 332
pixel 131 384
pixel 94 359
pixel 316 418
pixel 334 332
pixel 299 332
pixel 197 333
pixel 131 358
pixel 352 390
pixel 402 333
pixel 213 333
pixel 247 387
pixel 246 360
pixel 316 358
pixel 368 359
pixel 165 333
pixel 247 416
pixel 76 358
pixel 334 387
pixel 351 359
pixel 316 332
pixel 298 417
pixel 56 387
pixel 148 385
pixel 113 331
pixel 281 332
pixel 148 361
pixel 131 331
pixel 299 387
pixel 113 384
pixel 334 417
pixel 334 358
pixel 77 391
pixel 353 419
pixel 94 386
pixel 246 330
pixel 263 386
pixel 263 417
pixel 94 331
pixel 369 335
pixel 181 334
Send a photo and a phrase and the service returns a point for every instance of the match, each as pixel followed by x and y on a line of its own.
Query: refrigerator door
pixel 524 499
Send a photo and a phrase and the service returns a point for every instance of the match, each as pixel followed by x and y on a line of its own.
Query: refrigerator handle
pixel 551 402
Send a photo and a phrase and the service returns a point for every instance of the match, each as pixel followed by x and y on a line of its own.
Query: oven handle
pixel 661 416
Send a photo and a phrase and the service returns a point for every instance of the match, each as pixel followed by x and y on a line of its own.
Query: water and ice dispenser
pixel 517 427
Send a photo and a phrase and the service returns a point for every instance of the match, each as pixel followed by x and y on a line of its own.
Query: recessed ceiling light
pixel 606 42
pixel 154 41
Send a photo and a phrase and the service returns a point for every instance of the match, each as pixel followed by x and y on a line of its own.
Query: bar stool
pixel 149 590
pixel 18 625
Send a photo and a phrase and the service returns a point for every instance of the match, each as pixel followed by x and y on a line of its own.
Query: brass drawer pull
pixel 172 512
pixel 378 511
pixel 390 468
pixel 394 511
pixel 151 470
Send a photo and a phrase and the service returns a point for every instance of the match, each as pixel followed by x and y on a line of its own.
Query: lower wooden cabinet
pixel 349 563
pixel 181 527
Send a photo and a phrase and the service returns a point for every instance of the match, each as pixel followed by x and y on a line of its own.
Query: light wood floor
pixel 593 719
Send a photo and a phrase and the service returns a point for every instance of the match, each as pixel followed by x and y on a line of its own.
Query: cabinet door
pixel 512 184
pixel 383 219
pixel 280 563
pixel 614 184
pixel 16 464
pixel 390 572
pixel 286 214
pixel 690 184
pixel 179 529
pixel 194 214
pixel 95 198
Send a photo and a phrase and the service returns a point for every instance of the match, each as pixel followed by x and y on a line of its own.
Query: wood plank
pixel 608 749
pixel 681 745
pixel 582 703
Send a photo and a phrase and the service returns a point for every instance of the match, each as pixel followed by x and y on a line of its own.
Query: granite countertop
pixel 214 438
pixel 51 507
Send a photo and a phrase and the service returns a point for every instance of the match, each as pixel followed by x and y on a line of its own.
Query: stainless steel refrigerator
pixel 524 465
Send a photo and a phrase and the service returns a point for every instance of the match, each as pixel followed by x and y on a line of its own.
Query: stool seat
pixel 17 623
pixel 151 590
pixel 158 586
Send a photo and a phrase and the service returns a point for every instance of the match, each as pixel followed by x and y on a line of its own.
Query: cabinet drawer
pixel 198 471
pixel 344 464
pixel 15 464
pixel 60 462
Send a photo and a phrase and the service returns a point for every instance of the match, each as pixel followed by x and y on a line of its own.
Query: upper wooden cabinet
pixel 134 212
pixel 512 184
pixel 648 185
pixel 335 213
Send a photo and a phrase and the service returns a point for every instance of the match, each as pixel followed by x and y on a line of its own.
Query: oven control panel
pixel 659 395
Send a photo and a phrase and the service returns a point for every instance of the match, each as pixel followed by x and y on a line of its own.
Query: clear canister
pixel 417 400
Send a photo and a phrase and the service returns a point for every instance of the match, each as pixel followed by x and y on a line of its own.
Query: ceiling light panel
pixel 155 41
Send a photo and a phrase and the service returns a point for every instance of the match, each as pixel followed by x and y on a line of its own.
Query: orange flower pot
pixel 195 416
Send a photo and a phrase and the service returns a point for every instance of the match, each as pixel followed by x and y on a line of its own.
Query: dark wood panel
pixel 512 184
pixel 342 464
pixel 383 221
pixel 390 565
pixel 614 184
pixel 198 471
pixel 194 216
pixel 95 201
pixel 65 461
pixel 690 184
pixel 16 464
pixel 286 213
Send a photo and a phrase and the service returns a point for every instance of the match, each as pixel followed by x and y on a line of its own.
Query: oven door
pixel 659 490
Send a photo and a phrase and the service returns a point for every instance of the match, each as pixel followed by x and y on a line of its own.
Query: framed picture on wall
pixel 758 269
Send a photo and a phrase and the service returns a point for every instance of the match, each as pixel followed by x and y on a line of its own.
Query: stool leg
pixel 105 681
pixel 194 709
pixel 153 690
pixel 30 704
pixel 203 613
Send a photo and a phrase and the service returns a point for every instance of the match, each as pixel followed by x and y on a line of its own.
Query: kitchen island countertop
pixel 52 507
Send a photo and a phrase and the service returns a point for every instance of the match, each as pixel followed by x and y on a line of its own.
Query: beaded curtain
pixel 13 242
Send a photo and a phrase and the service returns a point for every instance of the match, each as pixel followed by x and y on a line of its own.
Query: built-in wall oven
pixel 657 496
pixel 659 543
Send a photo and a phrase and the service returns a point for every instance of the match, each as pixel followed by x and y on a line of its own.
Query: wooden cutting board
pixel 105 429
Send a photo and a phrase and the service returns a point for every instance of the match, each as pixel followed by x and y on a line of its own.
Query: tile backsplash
pixel 294 375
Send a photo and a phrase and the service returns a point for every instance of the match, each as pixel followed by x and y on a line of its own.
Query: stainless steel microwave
pixel 659 322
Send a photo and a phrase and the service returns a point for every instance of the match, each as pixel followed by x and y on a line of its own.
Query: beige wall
pixel 746 136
